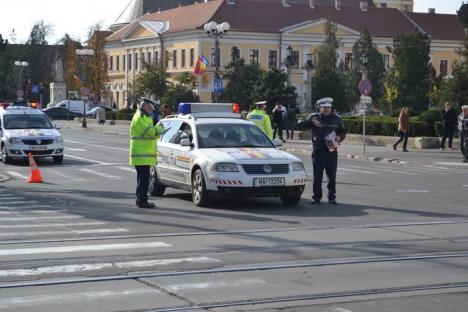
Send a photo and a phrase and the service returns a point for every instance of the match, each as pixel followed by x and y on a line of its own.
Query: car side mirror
pixel 186 142
pixel 278 142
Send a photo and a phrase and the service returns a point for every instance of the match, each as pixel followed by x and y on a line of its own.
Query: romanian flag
pixel 77 78
pixel 200 66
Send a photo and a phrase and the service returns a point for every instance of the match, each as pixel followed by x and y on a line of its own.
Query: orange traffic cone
pixel 35 176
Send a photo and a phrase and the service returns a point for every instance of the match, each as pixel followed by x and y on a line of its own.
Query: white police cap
pixel 149 101
pixel 465 107
pixel 325 102
pixel 261 103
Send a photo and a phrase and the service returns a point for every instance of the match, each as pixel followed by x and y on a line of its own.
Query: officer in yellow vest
pixel 259 117
pixel 143 149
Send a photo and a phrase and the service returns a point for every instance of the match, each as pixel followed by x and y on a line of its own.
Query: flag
pixel 77 78
pixel 204 60
pixel 199 67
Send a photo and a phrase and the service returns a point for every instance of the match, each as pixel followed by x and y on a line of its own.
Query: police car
pixel 25 130
pixel 209 150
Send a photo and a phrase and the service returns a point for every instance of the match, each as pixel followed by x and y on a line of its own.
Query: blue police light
pixel 185 108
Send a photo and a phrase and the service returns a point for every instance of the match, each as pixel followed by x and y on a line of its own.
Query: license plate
pixel 38 147
pixel 268 182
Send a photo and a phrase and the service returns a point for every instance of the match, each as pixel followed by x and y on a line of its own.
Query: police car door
pixel 182 161
pixel 164 151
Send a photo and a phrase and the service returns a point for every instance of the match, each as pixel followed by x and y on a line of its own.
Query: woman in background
pixel 403 128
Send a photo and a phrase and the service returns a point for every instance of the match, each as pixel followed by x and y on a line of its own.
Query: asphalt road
pixel 397 241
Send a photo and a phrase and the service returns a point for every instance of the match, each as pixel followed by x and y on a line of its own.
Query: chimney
pixel 338 5
pixel 231 2
pixel 364 5
pixel 286 4
pixel 431 10
pixel 312 4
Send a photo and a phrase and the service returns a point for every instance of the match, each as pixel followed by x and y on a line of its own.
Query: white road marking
pixel 222 284
pixel 79 248
pixel 10 198
pixel 14 302
pixel 22 202
pixel 66 176
pixel 85 159
pixel 6 195
pixel 31 212
pixel 76 149
pixel 341 310
pixel 13 226
pixel 355 170
pixel 39 218
pixel 129 169
pixel 412 191
pixel 17 175
pixel 99 145
pixel 466 185
pixel 4 207
pixel 103 175
pixel 92 231
pixel 443 163
pixel 72 268
pixel 390 170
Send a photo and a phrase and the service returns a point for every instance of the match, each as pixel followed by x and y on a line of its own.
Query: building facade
pixel 263 30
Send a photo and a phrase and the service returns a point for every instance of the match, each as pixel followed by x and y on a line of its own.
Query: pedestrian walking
pixel 463 128
pixel 290 121
pixel 278 121
pixel 328 132
pixel 403 128
pixel 114 106
pixel 259 117
pixel 449 123
pixel 143 150
pixel 101 115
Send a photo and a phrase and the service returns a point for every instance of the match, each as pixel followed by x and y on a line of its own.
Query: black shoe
pixel 315 202
pixel 145 205
pixel 405 150
pixel 465 160
pixel 394 147
pixel 332 201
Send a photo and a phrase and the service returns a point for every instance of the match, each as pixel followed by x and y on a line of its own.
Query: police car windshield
pixel 231 135
pixel 25 121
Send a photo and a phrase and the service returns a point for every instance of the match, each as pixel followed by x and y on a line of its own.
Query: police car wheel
pixel 290 199
pixel 5 159
pixel 199 192
pixel 58 159
pixel 155 188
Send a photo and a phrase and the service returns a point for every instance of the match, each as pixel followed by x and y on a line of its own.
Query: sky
pixel 76 17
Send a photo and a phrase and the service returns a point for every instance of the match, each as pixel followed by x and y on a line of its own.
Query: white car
pixel 25 130
pixel 211 151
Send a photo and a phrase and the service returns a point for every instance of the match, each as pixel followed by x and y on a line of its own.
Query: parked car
pixel 77 106
pixel 60 113
pixel 92 112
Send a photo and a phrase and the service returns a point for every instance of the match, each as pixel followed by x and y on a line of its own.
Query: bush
pixel 386 126
pixel 123 114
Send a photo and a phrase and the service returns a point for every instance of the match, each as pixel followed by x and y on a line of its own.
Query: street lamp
pixel 216 31
pixel 309 67
pixel 288 62
pixel 84 53
pixel 21 65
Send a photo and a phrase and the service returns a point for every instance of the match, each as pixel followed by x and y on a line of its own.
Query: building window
pixel 295 59
pixel 166 58
pixel 272 59
pixel 135 59
pixel 129 58
pixel 349 61
pixel 111 61
pixel 117 62
pixel 213 60
pixel 123 62
pixel 406 8
pixel 174 58
pixel 148 58
pixel 156 56
pixel 192 57
pixel 443 69
pixel 182 58
pixel 383 5
pixel 386 61
pixel 253 56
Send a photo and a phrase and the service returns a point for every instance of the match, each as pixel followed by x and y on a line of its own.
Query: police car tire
pixel 290 200
pixel 155 188
pixel 199 193
pixel 6 160
pixel 58 159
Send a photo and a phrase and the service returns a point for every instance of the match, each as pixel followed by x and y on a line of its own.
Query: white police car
pixel 25 130
pixel 210 150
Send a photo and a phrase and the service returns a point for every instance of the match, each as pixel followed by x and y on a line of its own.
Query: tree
pixel 39 33
pixel 181 91
pixel 412 70
pixel 96 65
pixel 463 15
pixel 151 82
pixel 70 64
pixel 327 82
pixel 272 87
pixel 7 84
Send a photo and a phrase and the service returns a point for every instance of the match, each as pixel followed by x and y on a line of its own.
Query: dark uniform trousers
pixel 329 161
pixel 464 144
pixel 143 176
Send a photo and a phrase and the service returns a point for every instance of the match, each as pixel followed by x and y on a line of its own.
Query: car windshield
pixel 231 135
pixel 24 121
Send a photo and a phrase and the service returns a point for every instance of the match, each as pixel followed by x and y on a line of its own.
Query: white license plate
pixel 268 182
pixel 37 147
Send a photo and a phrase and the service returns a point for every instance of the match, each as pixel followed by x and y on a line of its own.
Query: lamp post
pixel 288 63
pixel 20 65
pixel 84 53
pixel 309 67
pixel 216 31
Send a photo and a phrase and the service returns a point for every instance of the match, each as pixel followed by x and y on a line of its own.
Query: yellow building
pixel 263 30
pixel 403 5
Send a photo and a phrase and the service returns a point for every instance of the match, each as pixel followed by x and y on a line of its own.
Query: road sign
pixel 84 91
pixel 35 88
pixel 218 85
pixel 365 86
pixel 19 93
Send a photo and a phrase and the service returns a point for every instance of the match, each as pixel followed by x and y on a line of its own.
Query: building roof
pixel 271 16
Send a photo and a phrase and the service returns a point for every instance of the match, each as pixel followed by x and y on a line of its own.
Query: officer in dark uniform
pixel 463 127
pixel 327 132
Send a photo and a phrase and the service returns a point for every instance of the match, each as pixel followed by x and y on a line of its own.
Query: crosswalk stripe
pixel 391 170
pixel 72 268
pixel 355 170
pixel 129 169
pixel 31 212
pixel 13 226
pixel 5 207
pixel 103 175
pixel 78 248
pixel 220 284
pixel 66 176
pixel 17 175
pixel 22 202
pixel 10 198
pixel 443 163
pixel 38 218
pixel 78 232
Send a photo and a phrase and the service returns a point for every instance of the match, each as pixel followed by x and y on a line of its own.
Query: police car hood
pixel 21 133
pixel 247 153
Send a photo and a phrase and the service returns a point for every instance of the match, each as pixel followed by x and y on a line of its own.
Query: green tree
pixel 7 84
pixel 180 91
pixel 70 62
pixel 411 56
pixel 96 65
pixel 151 82
pixel 272 87
pixel 327 82
pixel 39 33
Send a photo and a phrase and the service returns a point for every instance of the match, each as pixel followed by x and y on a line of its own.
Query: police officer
pixel 143 149
pixel 463 127
pixel 327 132
pixel 259 117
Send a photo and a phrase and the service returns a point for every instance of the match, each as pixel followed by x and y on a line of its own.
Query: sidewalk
pixel 352 148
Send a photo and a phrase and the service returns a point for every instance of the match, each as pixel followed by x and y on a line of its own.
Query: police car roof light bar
pixel 191 108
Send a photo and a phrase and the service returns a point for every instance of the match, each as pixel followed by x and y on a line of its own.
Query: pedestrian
pixel 101 115
pixel 328 132
pixel 278 121
pixel 259 117
pixel 166 111
pixel 143 150
pixel 449 123
pixel 290 121
pixel 403 128
pixel 114 106
pixel 463 128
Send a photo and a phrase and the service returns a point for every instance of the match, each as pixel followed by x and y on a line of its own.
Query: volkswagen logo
pixel 267 169
pixel 38 142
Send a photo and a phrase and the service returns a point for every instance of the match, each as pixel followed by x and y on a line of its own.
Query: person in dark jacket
pixel 328 132
pixel 290 119
pixel 463 127
pixel 449 123
pixel 278 121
